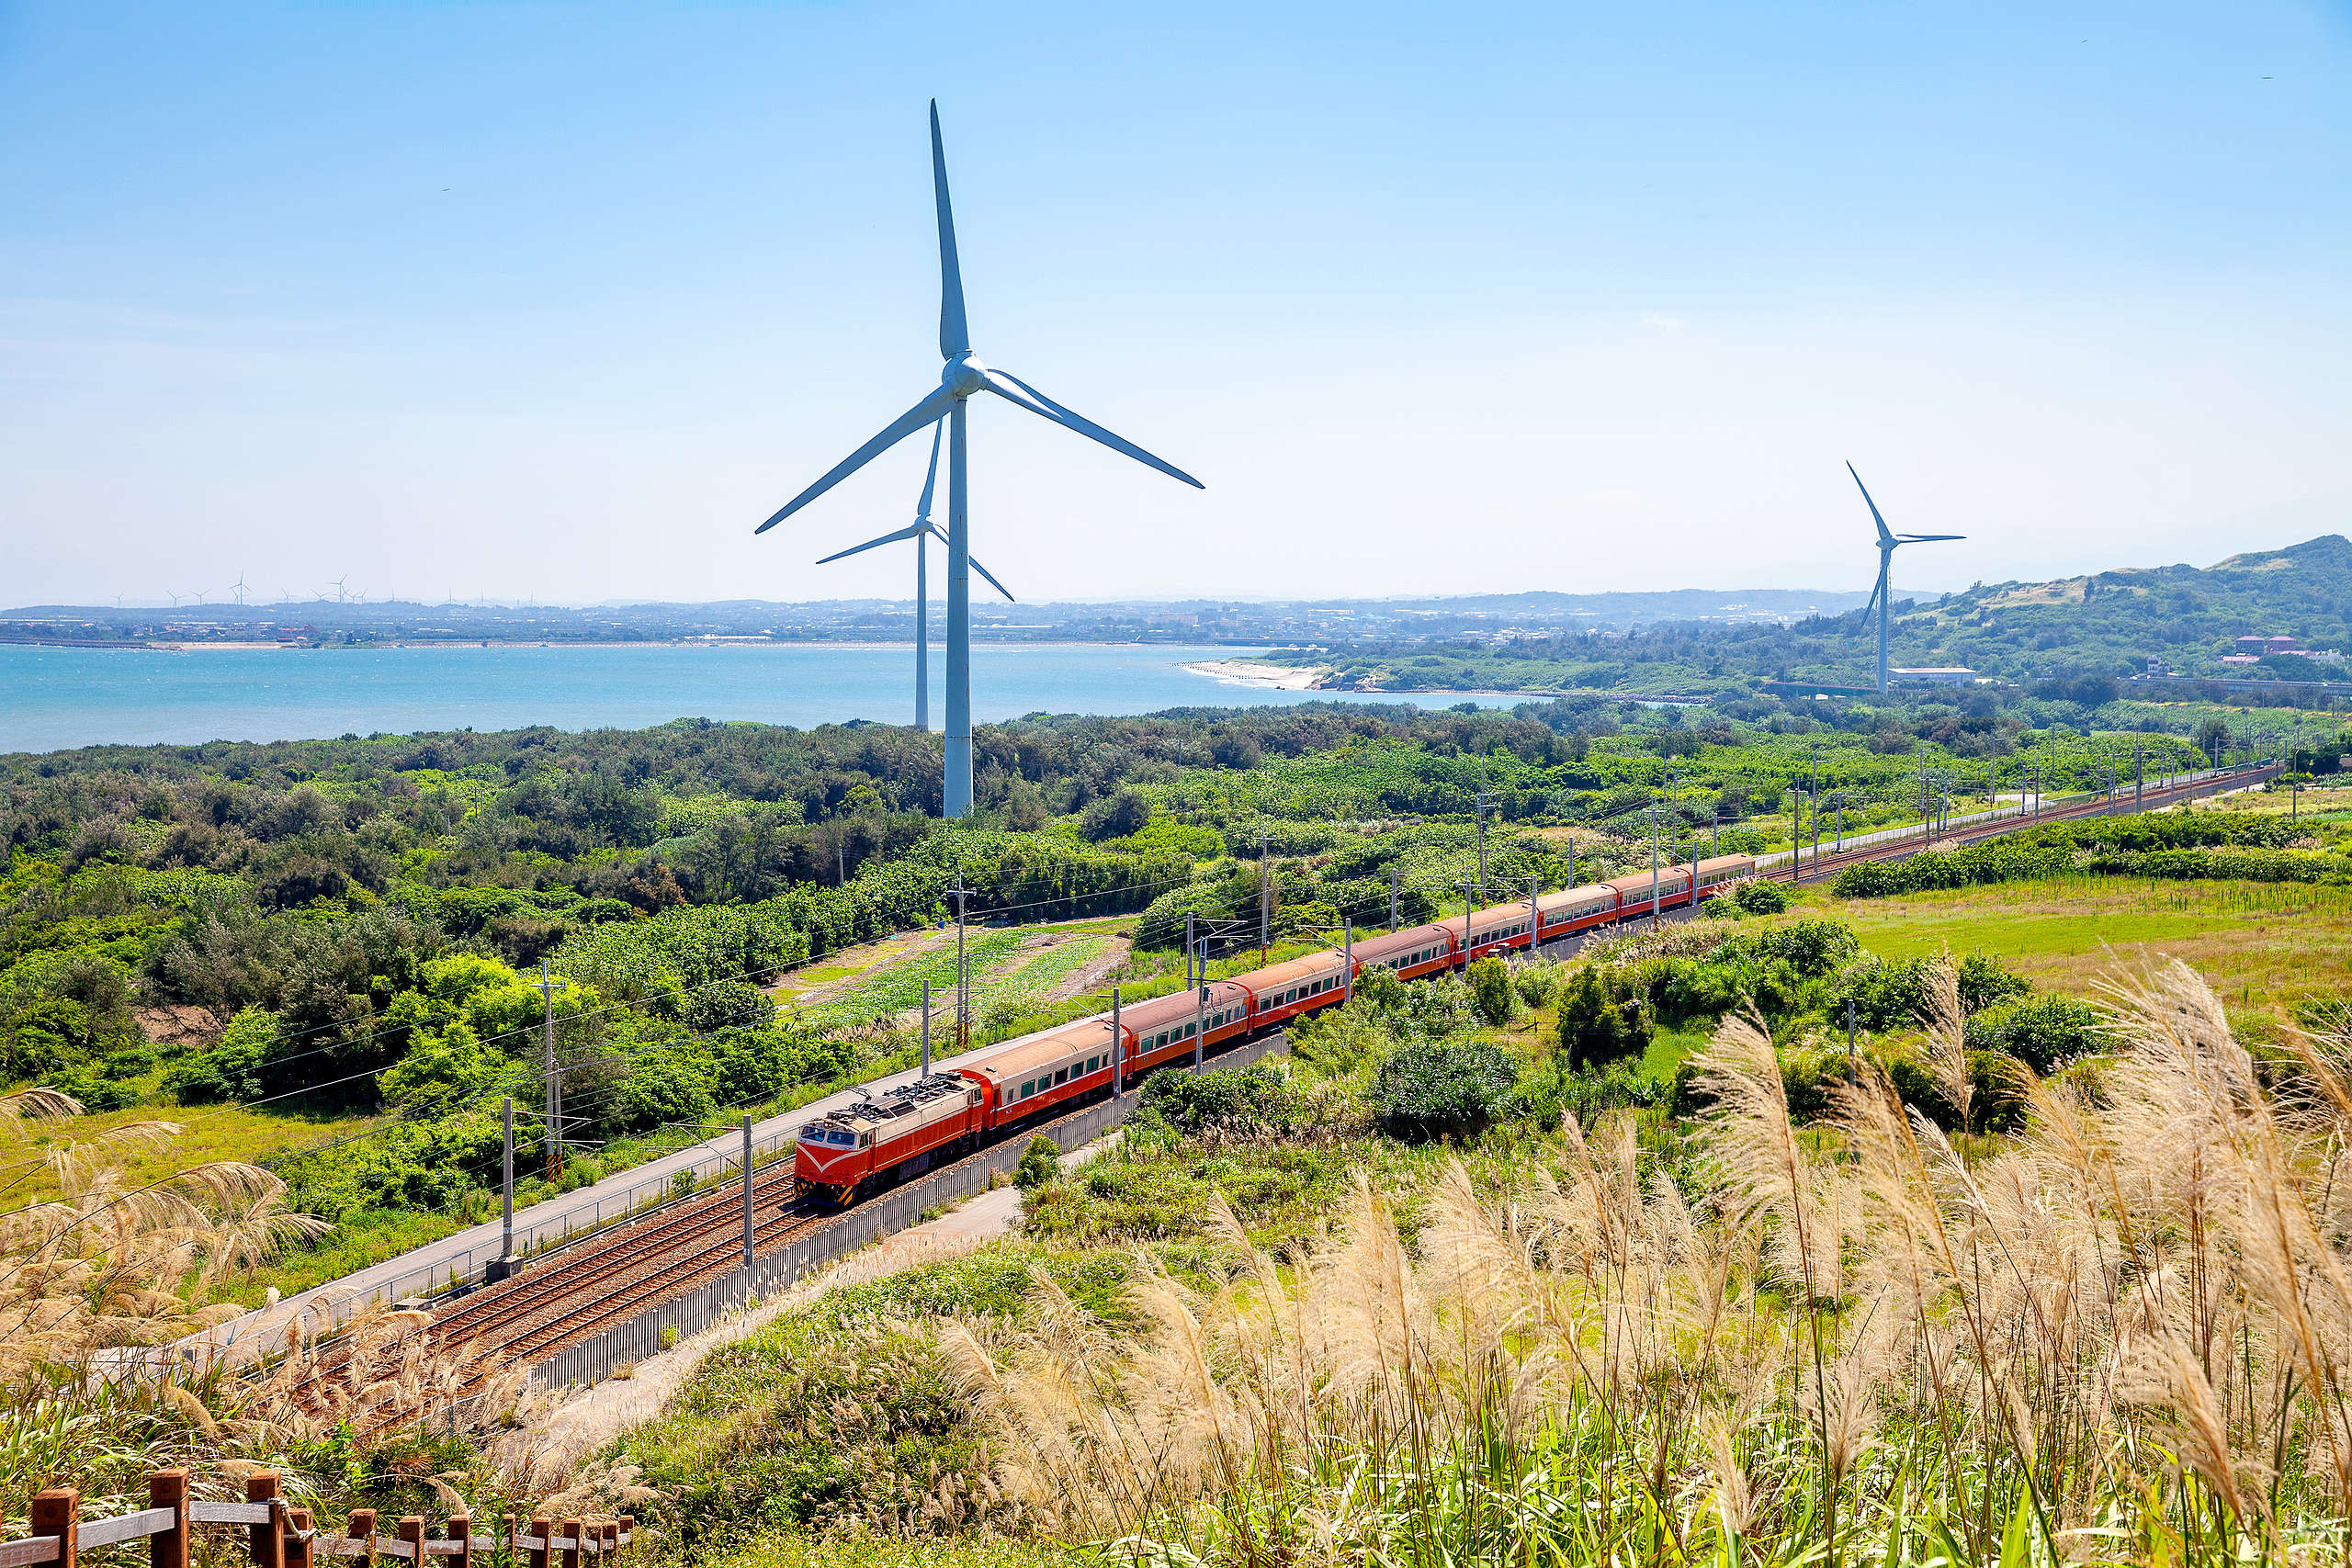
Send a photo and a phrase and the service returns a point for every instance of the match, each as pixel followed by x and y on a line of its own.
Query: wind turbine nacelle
pixel 964 376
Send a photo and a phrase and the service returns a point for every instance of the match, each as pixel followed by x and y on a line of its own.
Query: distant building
pixel 2241 659
pixel 1935 675
pixel 2258 646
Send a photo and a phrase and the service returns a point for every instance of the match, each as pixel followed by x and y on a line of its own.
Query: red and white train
pixel 898 1131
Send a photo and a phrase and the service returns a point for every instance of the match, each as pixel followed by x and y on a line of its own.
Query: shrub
pixel 1758 896
pixel 1536 982
pixel 1603 1015
pixel 1490 989
pixel 2045 1033
pixel 232 1068
pixel 727 1004
pixel 1442 1087
pixel 1251 1099
pixel 1040 1163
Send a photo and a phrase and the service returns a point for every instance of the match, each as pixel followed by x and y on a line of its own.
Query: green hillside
pixel 2096 627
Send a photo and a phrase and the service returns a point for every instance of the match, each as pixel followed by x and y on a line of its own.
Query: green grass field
pixel 2256 942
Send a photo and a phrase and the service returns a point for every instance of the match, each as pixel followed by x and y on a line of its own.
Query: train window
pixel 812 1133
pixel 1028 1088
pixel 840 1138
pixel 1062 1076
pixel 1188 1032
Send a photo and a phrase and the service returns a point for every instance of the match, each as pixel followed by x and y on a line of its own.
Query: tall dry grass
pixel 2123 1335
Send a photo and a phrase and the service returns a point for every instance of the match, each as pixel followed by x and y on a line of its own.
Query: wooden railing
pixel 279 1535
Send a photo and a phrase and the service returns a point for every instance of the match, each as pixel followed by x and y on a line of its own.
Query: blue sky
pixel 562 299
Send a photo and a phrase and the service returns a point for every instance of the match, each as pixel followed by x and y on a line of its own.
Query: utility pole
pixel 1850 1039
pixel 1118 1049
pixel 963 976
pixel 1467 886
pixel 1482 828
pixel 1190 945
pixel 1653 920
pixel 1392 900
pixel 1263 895
pixel 1812 793
pixel 926 1028
pixel 746 1191
pixel 1348 962
pixel 554 1091
pixel 506 1194
pixel 2139 773
pixel 1535 915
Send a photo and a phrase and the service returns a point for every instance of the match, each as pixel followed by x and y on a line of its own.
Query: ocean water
pixel 53 698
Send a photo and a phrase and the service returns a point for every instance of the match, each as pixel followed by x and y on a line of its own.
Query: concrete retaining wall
pixel 592 1359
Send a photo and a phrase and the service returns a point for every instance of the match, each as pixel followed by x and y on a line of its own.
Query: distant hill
pixel 2186 618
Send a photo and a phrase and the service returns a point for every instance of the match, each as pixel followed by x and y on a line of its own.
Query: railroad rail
pixel 1810 868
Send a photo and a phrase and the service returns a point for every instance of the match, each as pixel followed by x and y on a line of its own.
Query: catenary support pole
pixel 1535 915
pixel 926 1028
pixel 1392 900
pixel 747 1189
pixel 554 1087
pixel 1199 1019
pixel 1195 972
pixel 1264 895
pixel 1348 962
pixel 1118 1049
pixel 506 1188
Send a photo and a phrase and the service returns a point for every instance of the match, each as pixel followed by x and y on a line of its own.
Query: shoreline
pixel 1271 677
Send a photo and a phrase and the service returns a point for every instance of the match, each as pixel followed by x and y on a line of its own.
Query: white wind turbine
pixel 921 530
pixel 962 376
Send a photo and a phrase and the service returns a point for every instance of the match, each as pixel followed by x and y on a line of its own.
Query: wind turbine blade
pixel 908 532
pixel 1925 538
pixel 929 476
pixel 955 337
pixel 1014 389
pixel 897 430
pixel 1865 608
pixel 973 561
pixel 1885 535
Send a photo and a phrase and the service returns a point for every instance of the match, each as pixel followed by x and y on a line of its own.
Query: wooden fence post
pixel 363 1528
pixel 298 1548
pixel 461 1529
pixel 612 1534
pixel 267 1540
pixel 411 1532
pixel 571 1544
pixel 58 1511
pixel 542 1531
pixel 168 1549
pixel 627 1528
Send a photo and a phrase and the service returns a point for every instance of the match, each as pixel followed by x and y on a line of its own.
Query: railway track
pixel 1819 868
pixel 539 1311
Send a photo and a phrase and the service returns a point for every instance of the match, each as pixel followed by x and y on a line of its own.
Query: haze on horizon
pixel 457 300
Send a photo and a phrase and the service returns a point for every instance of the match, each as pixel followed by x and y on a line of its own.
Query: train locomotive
pixel 895 1133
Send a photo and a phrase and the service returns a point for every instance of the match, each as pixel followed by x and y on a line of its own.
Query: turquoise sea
pixel 52 698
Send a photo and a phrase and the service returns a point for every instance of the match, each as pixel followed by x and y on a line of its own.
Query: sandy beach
pixel 1243 673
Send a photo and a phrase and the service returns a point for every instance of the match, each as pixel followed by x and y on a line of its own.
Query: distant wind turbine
pixel 1888 543
pixel 921 530
pixel 962 376
pixel 339 594
pixel 238 588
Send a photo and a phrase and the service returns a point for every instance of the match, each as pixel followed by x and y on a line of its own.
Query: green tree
pixel 1449 1087
pixel 1490 989
pixel 1603 1017
pixel 1040 1163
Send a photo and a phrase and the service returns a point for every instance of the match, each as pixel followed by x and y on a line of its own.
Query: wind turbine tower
pixel 921 530
pixel 1888 541
pixel 962 376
